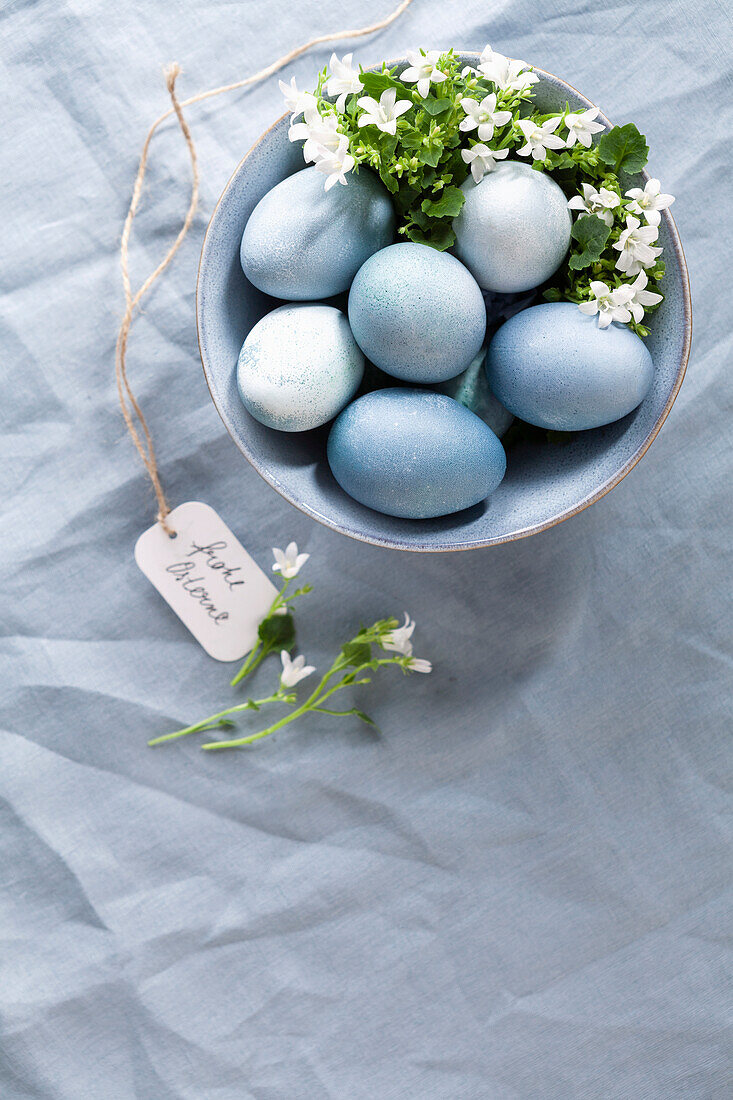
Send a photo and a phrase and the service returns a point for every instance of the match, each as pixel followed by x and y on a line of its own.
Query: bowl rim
pixel 392 543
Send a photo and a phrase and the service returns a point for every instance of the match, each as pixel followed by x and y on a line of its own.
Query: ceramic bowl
pixel 544 484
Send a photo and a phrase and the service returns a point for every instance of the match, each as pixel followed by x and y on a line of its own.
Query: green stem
pixel 318 696
pixel 335 713
pixel 251 663
pixel 258 654
pixel 216 719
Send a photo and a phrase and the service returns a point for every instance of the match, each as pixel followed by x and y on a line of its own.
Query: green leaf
pixel 591 235
pixel 364 717
pixel 277 632
pixel 447 206
pixel 442 236
pixel 412 139
pixel 561 162
pixel 625 148
pixel 552 294
pixel 431 154
pixel 390 182
pixel 436 106
pixel 439 235
pixel 387 146
pixel 376 83
pixel 357 653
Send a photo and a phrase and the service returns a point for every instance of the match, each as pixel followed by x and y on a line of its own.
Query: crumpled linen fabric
pixel 520 887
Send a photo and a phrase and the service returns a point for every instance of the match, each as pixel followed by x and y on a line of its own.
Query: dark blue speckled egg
pixel 302 243
pixel 554 367
pixel 414 454
pixel 417 313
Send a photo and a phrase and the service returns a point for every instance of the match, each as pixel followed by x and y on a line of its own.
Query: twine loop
pixel 131 411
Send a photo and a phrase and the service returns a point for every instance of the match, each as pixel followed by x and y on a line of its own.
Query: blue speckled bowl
pixel 544 484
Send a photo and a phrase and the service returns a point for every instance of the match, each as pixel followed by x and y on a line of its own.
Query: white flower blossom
pixel 508 75
pixel 642 297
pixel 319 133
pixel 487 54
pixel 482 159
pixel 398 640
pixel 483 115
pixel 601 203
pixel 539 138
pixel 581 127
pixel 295 100
pixel 635 246
pixel 649 201
pixel 294 670
pixel 423 70
pixel 288 563
pixel 335 164
pixel 344 79
pixel 384 114
pixel 610 305
pixel 419 664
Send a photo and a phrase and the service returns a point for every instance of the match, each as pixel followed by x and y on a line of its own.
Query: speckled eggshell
pixel 417 313
pixel 514 228
pixel 299 366
pixel 472 390
pixel 414 454
pixel 302 243
pixel 554 367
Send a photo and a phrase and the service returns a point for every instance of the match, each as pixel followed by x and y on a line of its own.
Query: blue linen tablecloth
pixel 520 888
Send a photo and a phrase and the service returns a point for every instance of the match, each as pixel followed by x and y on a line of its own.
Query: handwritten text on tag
pixel 215 588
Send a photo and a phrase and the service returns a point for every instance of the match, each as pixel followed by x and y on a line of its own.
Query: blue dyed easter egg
pixel 417 313
pixel 414 454
pixel 299 366
pixel 302 242
pixel 472 390
pixel 554 367
pixel 514 228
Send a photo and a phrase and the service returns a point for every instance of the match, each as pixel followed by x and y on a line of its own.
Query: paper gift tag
pixel 215 588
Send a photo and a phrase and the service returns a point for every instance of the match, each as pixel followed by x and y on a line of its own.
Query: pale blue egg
pixel 552 366
pixel 299 366
pixel 303 243
pixel 417 313
pixel 472 390
pixel 514 228
pixel 414 454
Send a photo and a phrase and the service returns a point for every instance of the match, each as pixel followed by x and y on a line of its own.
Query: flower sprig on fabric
pixel 422 130
pixel 276 632
pixel 360 655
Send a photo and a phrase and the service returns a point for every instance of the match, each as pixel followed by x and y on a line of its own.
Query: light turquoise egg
pixel 514 228
pixel 303 243
pixel 299 366
pixel 417 313
pixel 472 390
pixel 414 454
pixel 552 366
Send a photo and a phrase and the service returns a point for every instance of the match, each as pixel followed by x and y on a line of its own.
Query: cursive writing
pixel 181 570
pixel 212 559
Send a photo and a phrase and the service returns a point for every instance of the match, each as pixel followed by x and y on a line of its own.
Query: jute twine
pixel 131 410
